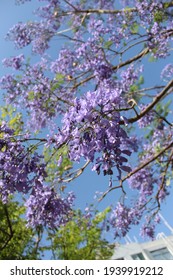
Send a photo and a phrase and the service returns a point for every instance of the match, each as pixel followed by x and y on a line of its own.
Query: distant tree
pixel 81 239
pixel 17 242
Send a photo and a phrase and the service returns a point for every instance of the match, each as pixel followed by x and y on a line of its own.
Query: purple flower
pixel 148 230
pixel 15 62
pixel 167 72
pixel 18 169
pixel 147 119
pixel 88 132
pixel 45 207
pixel 123 217
pixel 103 72
pixel 143 181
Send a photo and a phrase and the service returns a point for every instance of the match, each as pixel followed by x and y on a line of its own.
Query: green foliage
pixel 108 44
pixel 163 109
pixel 52 157
pixel 17 242
pixel 14 119
pixel 80 239
pixel 58 81
pixel 135 88
pixel 135 28
pixel 152 58
pixel 159 16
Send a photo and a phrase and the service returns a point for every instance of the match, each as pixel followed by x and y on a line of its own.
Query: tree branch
pixel 152 104
pixel 107 11
pixel 136 57
pixel 147 162
pixel 136 170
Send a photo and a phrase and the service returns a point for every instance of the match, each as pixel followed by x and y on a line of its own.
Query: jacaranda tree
pixel 87 99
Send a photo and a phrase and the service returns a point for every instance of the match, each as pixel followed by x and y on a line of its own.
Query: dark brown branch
pixel 75 173
pixel 147 162
pixel 99 11
pixel 106 11
pixel 162 118
pixel 136 170
pixel 108 191
pixel 136 57
pixel 152 104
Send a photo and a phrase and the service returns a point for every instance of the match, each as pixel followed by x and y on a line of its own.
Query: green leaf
pixel 134 28
pixel 31 95
pixel 168 182
pixel 108 44
pixel 152 59
pixel 141 80
pixel 159 16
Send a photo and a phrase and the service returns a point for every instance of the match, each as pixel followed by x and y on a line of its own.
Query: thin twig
pixel 77 173
pixel 136 57
pixel 163 178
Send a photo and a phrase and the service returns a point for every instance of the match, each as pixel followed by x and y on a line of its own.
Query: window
pixel 161 254
pixel 138 256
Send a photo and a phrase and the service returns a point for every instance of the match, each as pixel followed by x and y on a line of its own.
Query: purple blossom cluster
pixel 148 228
pixel 14 62
pixel 103 72
pixel 167 72
pixel 162 134
pixel 64 63
pixel 146 10
pixel 18 168
pixel 36 33
pixel 46 208
pixel 34 91
pixel 158 43
pixel 92 126
pixel 123 217
pixel 147 119
pixel 143 181
pixel 130 76
pixel 23 173
pixel 21 34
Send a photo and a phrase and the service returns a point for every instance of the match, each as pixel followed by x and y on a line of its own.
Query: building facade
pixel 159 249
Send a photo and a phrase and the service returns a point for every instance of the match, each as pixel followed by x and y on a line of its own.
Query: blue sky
pixel 89 182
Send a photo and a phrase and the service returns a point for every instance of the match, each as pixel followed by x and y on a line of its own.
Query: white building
pixel 159 249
